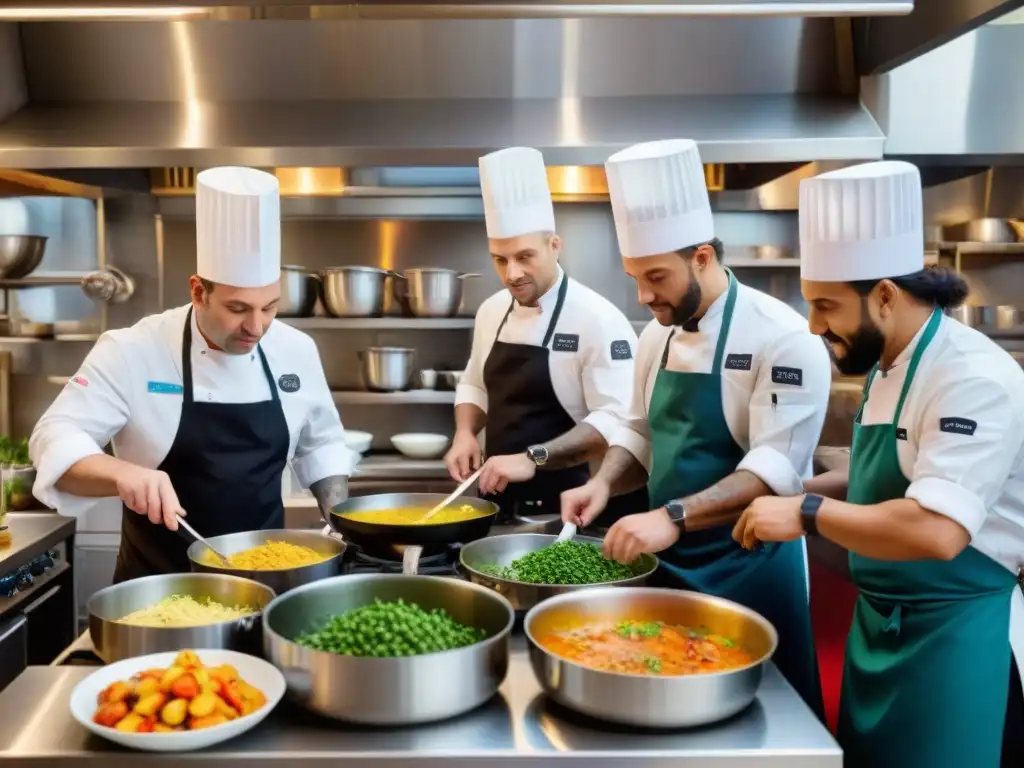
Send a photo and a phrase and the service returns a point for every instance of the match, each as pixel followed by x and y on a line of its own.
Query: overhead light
pixel 169 13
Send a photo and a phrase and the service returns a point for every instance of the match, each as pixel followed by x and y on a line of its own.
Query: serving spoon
pixel 195 534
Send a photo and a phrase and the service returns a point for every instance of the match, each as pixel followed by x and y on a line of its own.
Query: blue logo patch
pixel 163 388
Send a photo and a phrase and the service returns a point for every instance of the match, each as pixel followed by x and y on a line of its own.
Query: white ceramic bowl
pixel 358 441
pixel 420 445
pixel 255 671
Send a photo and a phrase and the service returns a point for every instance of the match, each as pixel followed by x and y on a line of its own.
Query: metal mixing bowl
pixel 432 291
pixel 114 641
pixel 389 691
pixel 354 291
pixel 676 701
pixel 280 580
pixel 502 550
pixel 299 291
pixel 20 254
pixel 387 369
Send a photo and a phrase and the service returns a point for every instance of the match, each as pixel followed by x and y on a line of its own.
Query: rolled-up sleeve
pixel 787 411
pixel 970 437
pixel 608 368
pixel 320 450
pixel 634 433
pixel 471 389
pixel 93 407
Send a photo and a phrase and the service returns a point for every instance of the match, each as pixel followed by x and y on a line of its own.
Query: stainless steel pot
pixel 114 641
pixel 990 230
pixel 431 291
pixel 20 255
pixel 502 550
pixel 299 291
pixel 677 701
pixel 1008 317
pixel 387 369
pixel 354 291
pixel 279 580
pixel 389 691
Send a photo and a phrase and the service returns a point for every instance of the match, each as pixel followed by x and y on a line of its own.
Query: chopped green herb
pixel 564 562
pixel 653 664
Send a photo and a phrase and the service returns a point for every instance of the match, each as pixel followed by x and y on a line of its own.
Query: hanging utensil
pixel 568 532
pixel 454 494
pixel 197 537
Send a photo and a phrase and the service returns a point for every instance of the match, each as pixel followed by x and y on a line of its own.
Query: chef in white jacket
pixel 204 405
pixel 550 374
pixel 730 397
pixel 932 505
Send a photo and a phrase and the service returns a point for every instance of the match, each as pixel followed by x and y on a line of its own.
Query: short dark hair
pixel 717 246
pixel 208 285
pixel 939 286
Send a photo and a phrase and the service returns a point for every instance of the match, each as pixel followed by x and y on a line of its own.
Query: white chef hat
pixel 862 223
pixel 659 197
pixel 517 199
pixel 238 227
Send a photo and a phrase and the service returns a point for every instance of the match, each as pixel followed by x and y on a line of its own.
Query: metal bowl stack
pixel 678 701
pixel 500 551
pixel 278 580
pixel 389 691
pixel 114 641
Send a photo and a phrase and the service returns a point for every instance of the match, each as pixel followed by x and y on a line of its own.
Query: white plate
pixel 257 672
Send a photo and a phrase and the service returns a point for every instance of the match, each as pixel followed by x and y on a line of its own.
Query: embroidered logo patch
pixel 164 388
pixel 901 433
pixel 289 382
pixel 621 350
pixel 738 362
pixel 566 342
pixel 80 380
pixel 783 375
pixel 958 426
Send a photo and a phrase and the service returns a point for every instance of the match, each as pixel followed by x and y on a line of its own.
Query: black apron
pixel 225 465
pixel 523 410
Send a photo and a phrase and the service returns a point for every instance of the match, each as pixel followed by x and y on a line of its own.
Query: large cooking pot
pixel 299 290
pixel 652 701
pixel 431 291
pixel 387 369
pixel 354 291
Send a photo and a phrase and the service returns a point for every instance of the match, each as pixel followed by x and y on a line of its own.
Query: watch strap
pixel 809 513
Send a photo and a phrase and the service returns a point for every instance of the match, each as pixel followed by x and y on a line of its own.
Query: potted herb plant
pixel 18 474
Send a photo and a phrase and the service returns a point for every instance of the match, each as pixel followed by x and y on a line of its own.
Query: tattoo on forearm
pixel 575 447
pixel 329 493
pixel 723 502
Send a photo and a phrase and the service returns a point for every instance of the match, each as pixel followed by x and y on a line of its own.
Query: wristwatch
pixel 809 513
pixel 538 454
pixel 677 513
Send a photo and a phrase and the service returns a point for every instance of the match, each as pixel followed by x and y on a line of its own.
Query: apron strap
pixel 929 334
pixel 559 302
pixel 504 320
pixel 188 394
pixel 723 334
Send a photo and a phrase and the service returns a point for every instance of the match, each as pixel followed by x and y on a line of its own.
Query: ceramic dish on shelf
pixel 358 441
pixel 420 445
pixel 258 673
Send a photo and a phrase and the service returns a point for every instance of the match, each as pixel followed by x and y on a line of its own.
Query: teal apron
pixel 927 662
pixel 692 450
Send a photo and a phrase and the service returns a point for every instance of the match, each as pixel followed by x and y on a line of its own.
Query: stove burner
pixel 439 564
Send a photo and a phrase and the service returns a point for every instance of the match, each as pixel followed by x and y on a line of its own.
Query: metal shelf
pixel 412 397
pixel 43 281
pixel 995 249
pixel 762 263
pixel 380 323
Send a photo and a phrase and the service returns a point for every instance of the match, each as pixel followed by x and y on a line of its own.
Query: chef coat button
pixel 209 396
pixel 202 352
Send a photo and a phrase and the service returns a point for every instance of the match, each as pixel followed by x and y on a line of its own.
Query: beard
pixel 863 350
pixel 687 307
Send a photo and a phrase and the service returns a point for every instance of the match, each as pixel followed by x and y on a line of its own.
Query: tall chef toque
pixel 659 198
pixel 517 199
pixel 238 227
pixel 862 223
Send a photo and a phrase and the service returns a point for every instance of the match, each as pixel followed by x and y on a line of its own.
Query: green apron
pixel 692 450
pixel 926 677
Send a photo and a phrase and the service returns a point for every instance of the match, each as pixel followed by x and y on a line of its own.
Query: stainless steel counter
pixel 519 726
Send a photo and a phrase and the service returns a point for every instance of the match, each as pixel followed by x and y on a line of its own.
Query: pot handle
pixel 464 275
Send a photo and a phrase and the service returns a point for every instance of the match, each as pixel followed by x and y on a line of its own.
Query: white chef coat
pixel 128 392
pixel 776 419
pixel 593 384
pixel 970 468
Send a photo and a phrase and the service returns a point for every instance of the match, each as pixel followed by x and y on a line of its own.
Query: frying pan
pixel 389 541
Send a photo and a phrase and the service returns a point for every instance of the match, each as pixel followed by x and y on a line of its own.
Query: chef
pixel 730 397
pixel 933 515
pixel 205 404
pixel 550 374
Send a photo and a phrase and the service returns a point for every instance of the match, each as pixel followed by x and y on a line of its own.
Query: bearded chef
pixel 550 374
pixel 932 506
pixel 730 397
pixel 204 405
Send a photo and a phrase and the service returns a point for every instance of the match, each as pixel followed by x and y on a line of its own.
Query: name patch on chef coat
pixel 958 426
pixel 901 433
pixel 566 342
pixel 738 362
pixel 164 388
pixel 783 375
pixel 289 382
pixel 621 350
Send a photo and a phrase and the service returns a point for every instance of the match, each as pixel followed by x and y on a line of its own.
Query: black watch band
pixel 677 513
pixel 809 513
